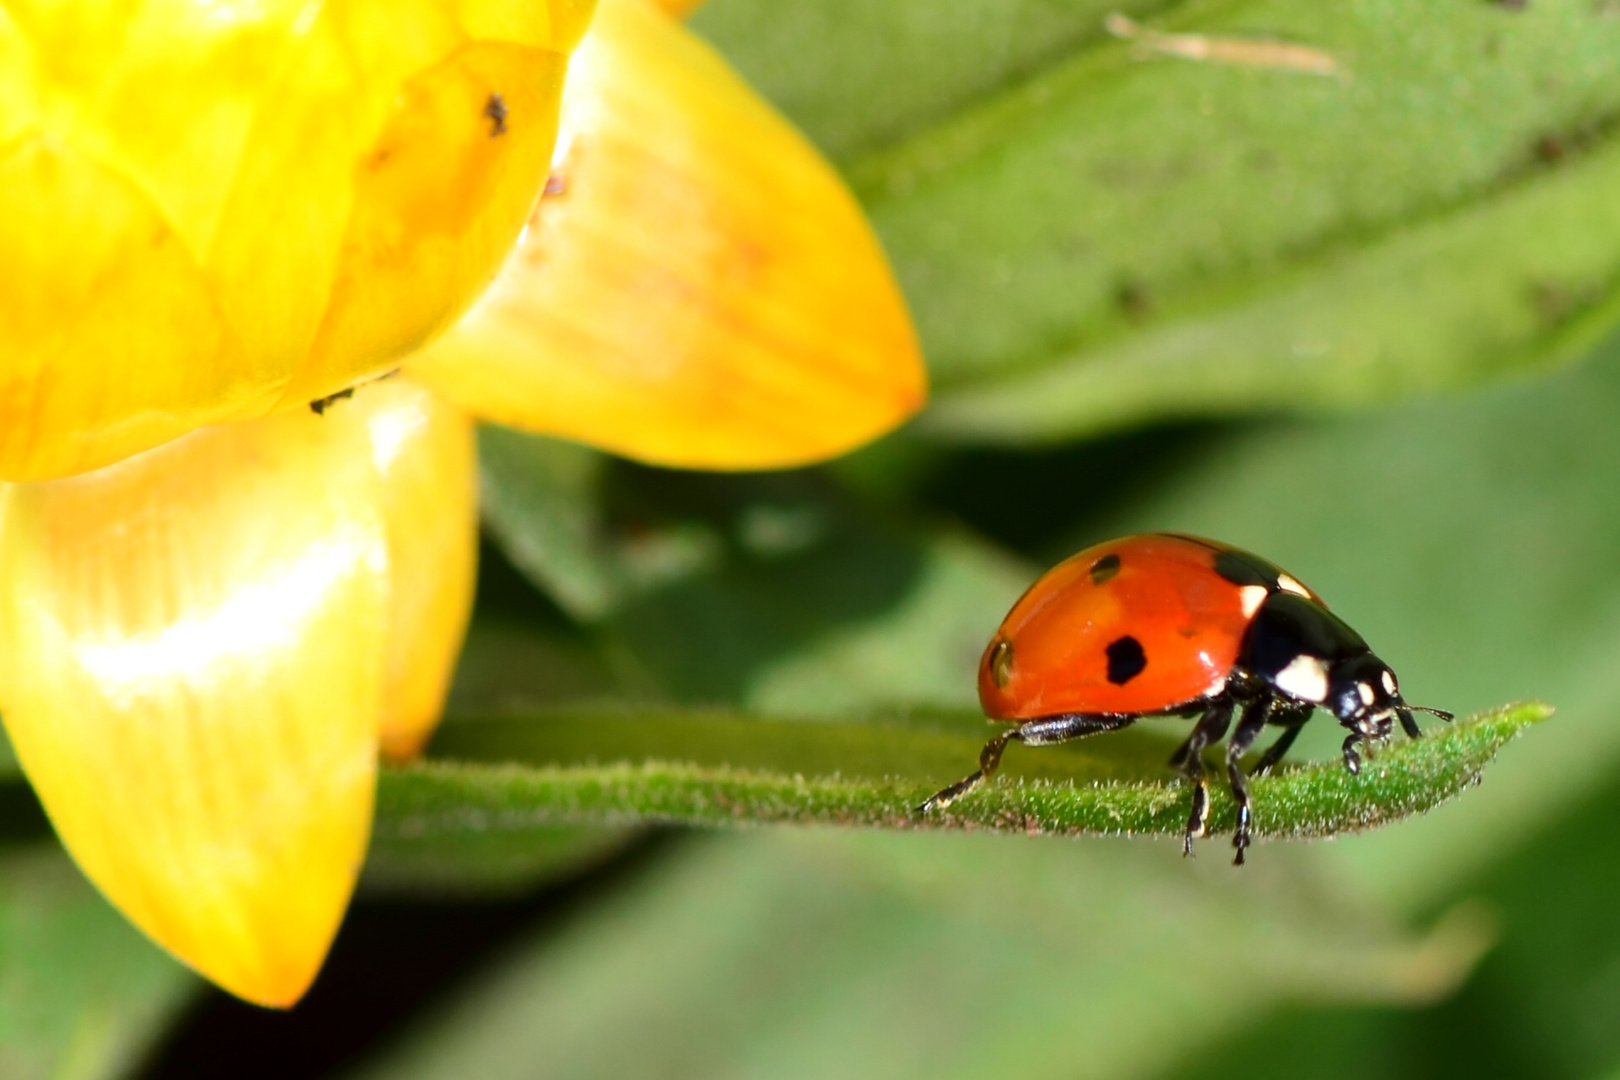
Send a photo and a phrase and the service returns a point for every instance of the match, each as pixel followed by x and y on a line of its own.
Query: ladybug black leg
pixel 1190 758
pixel 989 761
pixel 1044 732
pixel 1249 727
pixel 1274 753
pixel 1352 760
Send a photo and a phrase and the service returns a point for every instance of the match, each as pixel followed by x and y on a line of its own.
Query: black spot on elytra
pixel 1125 660
pixel 1104 568
pixel 495 110
pixel 1241 571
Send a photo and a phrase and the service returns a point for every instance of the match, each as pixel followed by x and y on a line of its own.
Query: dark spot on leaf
pixel 495 110
pixel 1555 302
pixel 1126 660
pixel 1134 299
pixel 1104 568
pixel 1550 148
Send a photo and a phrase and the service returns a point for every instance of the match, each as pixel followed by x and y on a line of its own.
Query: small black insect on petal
pixel 320 405
pixel 1126 660
pixel 1104 568
pixel 495 110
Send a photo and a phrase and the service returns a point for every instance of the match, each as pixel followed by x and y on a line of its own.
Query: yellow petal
pixel 77 388
pixel 192 677
pixel 438 201
pixel 697 289
pixel 569 20
pixel 204 202
pixel 425 452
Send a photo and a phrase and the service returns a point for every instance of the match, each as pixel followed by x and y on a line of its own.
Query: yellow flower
pixel 216 605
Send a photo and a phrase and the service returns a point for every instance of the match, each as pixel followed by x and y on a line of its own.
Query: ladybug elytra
pixel 1170 625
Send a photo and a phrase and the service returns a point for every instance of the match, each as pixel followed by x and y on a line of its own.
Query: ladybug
pixel 1163 624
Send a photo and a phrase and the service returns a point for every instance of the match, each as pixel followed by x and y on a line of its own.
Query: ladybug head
pixel 1363 694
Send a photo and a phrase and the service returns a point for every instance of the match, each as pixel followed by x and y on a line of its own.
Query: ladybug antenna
pixel 1441 713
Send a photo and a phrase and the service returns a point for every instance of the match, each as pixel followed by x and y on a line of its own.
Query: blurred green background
pixel 1361 323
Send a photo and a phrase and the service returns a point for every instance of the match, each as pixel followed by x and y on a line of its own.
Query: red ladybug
pixel 1162 624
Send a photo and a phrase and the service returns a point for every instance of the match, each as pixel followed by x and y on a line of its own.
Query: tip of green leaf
pixel 1320 799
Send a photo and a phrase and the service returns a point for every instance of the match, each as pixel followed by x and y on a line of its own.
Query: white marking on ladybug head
pixel 1389 682
pixel 1377 725
pixel 1365 690
pixel 1289 583
pixel 1305 677
pixel 1251 597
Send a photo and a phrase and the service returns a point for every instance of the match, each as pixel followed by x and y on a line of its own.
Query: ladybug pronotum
pixel 1168 625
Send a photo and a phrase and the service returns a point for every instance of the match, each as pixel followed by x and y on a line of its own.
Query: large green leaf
pixel 1090 236
pixel 877 73
pixel 774 593
pixel 691 769
pixel 82 993
pixel 467 853
pixel 821 953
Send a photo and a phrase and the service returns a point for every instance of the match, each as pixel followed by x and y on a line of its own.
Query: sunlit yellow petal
pixel 438 202
pixel 256 195
pixel 425 452
pixel 569 20
pixel 697 289
pixel 77 389
pixel 192 676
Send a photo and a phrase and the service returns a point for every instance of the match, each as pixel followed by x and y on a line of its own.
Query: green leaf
pixel 539 501
pixel 727 770
pixel 82 993
pixel 409 857
pixel 814 953
pixel 508 664
pixel 899 66
pixel 1092 234
pixel 770 593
